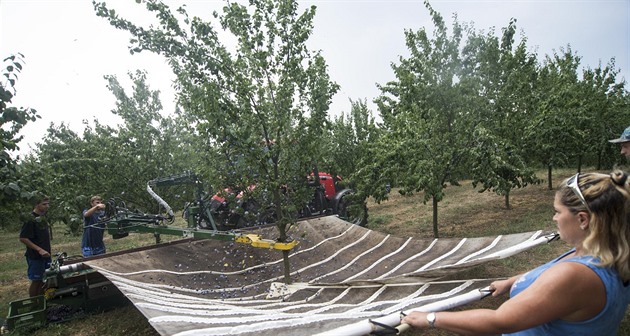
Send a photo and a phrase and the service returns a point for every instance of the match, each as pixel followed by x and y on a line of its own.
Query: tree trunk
pixel 550 182
pixel 282 230
pixel 435 218
pixel 287 266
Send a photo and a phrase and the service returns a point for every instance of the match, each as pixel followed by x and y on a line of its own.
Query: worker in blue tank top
pixel 93 228
pixel 585 291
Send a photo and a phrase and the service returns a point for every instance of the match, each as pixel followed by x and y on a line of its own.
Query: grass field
pixel 463 213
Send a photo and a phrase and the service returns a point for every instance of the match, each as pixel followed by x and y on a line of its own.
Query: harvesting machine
pixel 73 289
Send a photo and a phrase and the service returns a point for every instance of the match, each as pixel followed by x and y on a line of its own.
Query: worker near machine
pixel 92 242
pixel 35 234
pixel 624 142
pixel 584 291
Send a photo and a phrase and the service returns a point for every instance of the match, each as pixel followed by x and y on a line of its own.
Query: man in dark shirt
pixel 35 234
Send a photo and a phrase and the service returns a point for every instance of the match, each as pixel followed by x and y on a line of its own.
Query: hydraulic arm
pixel 120 221
pixel 121 227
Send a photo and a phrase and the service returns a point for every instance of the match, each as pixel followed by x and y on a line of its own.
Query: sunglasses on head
pixel 574 185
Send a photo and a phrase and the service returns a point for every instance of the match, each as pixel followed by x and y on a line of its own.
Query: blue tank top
pixel 605 323
pixel 93 231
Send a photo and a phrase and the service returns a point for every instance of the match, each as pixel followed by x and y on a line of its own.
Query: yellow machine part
pixel 256 241
pixel 49 293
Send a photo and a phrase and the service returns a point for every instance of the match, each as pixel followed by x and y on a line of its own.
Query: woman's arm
pixel 568 290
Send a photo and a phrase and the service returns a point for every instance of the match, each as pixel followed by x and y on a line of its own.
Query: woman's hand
pixel 416 319
pixel 501 287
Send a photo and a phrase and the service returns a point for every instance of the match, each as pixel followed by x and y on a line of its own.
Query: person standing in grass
pixel 35 234
pixel 624 142
pixel 582 292
pixel 92 242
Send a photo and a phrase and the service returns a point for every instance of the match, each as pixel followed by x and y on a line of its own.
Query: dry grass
pixel 463 213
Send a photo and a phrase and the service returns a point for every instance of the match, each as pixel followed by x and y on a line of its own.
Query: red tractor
pixel 328 199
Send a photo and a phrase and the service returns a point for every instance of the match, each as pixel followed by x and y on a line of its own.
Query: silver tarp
pixel 342 274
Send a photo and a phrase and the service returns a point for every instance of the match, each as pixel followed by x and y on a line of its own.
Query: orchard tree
pixel 144 146
pixel 499 73
pixel 497 166
pixel 426 116
pixel 605 106
pixel 60 168
pixel 348 137
pixel 109 161
pixel 12 120
pixel 262 102
pixel 556 131
pixel 345 145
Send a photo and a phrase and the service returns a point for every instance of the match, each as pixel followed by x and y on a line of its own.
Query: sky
pixel 68 49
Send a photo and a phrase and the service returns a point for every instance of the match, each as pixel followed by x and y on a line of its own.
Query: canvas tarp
pixel 342 274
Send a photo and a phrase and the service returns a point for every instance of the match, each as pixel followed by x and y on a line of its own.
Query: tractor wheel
pixel 352 211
